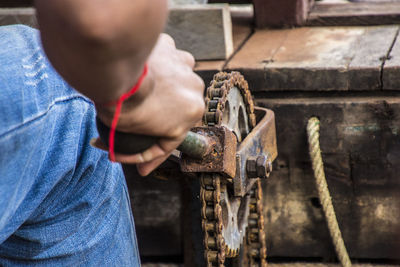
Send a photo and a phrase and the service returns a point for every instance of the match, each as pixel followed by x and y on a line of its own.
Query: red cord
pixel 117 112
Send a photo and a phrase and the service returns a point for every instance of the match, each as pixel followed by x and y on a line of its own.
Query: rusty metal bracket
pixel 261 141
pixel 222 156
pixel 258 148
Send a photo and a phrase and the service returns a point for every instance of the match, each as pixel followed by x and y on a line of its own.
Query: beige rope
pixel 323 191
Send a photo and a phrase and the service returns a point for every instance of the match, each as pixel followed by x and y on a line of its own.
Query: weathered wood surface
pixel 315 58
pixel 371 51
pixel 361 150
pixel 241 30
pixel 272 13
pixel 203 30
pixel 24 15
pixel 352 14
pixel 156 206
pixel 391 69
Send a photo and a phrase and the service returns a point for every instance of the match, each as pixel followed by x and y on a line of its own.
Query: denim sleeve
pixel 62 202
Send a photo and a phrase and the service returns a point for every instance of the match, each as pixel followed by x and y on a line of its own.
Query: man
pixel 62 202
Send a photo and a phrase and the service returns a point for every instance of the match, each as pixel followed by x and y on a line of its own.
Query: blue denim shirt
pixel 61 201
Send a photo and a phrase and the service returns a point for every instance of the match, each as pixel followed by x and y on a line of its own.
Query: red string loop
pixel 117 112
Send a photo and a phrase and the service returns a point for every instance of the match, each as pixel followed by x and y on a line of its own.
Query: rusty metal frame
pixel 226 158
pixel 260 141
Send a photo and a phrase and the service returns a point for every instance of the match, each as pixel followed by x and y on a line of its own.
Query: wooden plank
pixel 18 16
pixel 352 14
pixel 360 144
pixel 241 30
pixel 272 13
pixel 203 30
pixel 391 68
pixel 370 53
pixel 299 59
pixel 259 49
pixel 256 52
pixel 156 206
pixel 315 58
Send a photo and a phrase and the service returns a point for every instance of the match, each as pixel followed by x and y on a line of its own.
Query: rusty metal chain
pixel 211 213
pixel 255 237
pixel 210 192
pixel 216 97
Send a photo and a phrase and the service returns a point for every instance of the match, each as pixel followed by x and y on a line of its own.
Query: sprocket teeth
pixel 257 250
pixel 231 253
pixel 216 249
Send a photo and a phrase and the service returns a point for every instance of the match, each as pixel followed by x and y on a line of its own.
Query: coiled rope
pixel 323 191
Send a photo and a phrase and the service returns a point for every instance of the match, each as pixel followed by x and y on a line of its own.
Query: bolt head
pixel 251 167
pixel 263 166
pixel 258 167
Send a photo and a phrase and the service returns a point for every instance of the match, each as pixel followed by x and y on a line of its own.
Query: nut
pixel 251 167
pixel 260 166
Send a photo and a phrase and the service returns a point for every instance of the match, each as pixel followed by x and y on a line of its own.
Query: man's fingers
pixel 187 58
pixel 148 155
pixel 168 145
pixel 167 38
pixel 157 152
pixel 145 169
pixel 162 149
pixel 151 153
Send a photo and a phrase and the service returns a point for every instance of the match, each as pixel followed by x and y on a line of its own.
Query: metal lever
pixel 194 145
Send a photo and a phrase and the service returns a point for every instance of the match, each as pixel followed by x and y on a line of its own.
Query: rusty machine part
pixel 221 156
pixel 232 205
pixel 230 154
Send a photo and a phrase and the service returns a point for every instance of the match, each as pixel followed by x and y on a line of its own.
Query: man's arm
pixel 100 48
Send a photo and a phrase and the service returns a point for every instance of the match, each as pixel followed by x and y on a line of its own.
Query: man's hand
pixel 168 104
pixel 100 47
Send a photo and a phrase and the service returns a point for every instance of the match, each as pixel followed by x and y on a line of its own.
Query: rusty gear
pixel 216 247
